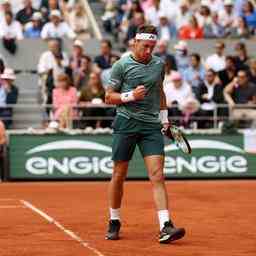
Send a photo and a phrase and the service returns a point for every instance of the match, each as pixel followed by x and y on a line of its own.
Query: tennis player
pixel 136 88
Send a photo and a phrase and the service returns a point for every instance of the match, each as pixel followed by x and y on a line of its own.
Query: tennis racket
pixel 178 137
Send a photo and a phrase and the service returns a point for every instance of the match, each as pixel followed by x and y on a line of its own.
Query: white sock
pixel 163 216
pixel 114 214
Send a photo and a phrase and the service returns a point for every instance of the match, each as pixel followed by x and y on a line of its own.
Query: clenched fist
pixel 139 92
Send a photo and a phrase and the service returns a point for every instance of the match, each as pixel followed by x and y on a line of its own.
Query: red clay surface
pixel 219 216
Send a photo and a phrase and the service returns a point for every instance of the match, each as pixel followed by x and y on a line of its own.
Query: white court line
pixel 62 228
pixel 7 199
pixel 11 206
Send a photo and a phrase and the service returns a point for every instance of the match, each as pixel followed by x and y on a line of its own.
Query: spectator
pixel 47 6
pixel 79 21
pixel 240 90
pixel 183 14
pixel 57 28
pixel 241 56
pixel 77 53
pixel 8 77
pixel 249 14
pixel 194 74
pixel 3 142
pixel 51 64
pixel 152 13
pixel 210 93
pixel 91 96
pixel 191 31
pixel 103 61
pixel 105 74
pixel 253 71
pixel 64 101
pixel 2 90
pixel 217 60
pixel 81 75
pixel 166 29
pixel 10 31
pixel 227 16
pixel 137 21
pixel 181 56
pixel 130 48
pixel 203 16
pixel 162 52
pixel 214 5
pixel 4 8
pixel 214 29
pixel 227 75
pixel 25 14
pixel 241 29
pixel 33 29
pixel 180 99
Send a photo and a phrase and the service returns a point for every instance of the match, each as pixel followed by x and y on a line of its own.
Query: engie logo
pixel 210 160
pixel 65 165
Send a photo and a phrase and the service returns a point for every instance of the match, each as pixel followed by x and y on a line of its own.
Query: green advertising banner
pixel 89 157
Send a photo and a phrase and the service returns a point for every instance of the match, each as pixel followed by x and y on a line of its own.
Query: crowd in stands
pixel 41 19
pixel 181 19
pixel 74 83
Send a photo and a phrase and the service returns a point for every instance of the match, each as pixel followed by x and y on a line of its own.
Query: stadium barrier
pixel 63 156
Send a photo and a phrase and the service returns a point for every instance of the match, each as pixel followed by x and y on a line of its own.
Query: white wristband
pixel 164 116
pixel 127 96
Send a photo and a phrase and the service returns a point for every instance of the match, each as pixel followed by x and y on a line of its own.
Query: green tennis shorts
pixel 129 132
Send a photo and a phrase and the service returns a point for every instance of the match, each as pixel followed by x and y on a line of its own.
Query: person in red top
pixel 191 31
pixel 64 100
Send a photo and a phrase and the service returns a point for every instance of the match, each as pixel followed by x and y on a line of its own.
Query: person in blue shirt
pixel 195 73
pixel 249 14
pixel 33 28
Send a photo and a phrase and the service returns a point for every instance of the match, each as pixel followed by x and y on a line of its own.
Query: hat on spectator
pixel 78 43
pixel 181 45
pixel 204 3
pixel 176 76
pixel 37 16
pixel 55 13
pixel 228 2
pixel 8 74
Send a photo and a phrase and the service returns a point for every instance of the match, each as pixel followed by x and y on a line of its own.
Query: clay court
pixel 63 219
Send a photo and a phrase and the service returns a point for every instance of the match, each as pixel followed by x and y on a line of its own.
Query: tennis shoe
pixel 170 233
pixel 113 230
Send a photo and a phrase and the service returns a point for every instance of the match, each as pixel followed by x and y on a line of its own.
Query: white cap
pixel 78 43
pixel 228 2
pixel 8 74
pixel 56 13
pixel 37 16
pixel 204 3
pixel 181 45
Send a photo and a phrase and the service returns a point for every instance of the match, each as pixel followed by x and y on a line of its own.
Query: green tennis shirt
pixel 127 74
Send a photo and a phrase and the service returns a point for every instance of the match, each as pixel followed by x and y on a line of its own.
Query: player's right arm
pixel 113 94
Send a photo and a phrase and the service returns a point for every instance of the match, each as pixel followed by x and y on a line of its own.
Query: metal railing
pixel 37 112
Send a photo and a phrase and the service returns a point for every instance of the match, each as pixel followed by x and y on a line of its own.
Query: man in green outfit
pixel 135 86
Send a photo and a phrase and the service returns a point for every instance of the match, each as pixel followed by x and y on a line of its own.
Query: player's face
pixel 144 49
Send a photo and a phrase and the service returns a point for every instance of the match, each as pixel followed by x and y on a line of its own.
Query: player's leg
pixel 122 151
pixel 152 148
pixel 115 198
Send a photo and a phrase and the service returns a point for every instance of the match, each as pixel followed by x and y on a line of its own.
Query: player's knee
pixel 118 176
pixel 156 175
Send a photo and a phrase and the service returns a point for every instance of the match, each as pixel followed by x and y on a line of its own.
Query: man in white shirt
pixel 152 13
pixel 217 60
pixel 227 15
pixel 10 28
pixel 57 28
